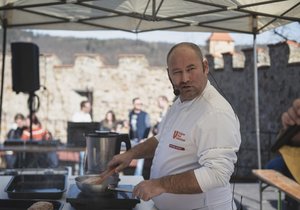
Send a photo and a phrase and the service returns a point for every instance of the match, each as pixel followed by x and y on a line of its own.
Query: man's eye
pixel 190 69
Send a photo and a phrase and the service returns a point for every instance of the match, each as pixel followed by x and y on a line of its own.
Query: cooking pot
pixel 100 149
pixel 91 188
pixel 102 188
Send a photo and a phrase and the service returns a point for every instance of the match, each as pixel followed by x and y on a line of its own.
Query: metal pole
pixel 256 101
pixel 4 25
pixel 256 105
pixel 153 9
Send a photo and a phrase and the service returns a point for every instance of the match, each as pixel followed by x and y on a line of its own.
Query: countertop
pixel 124 180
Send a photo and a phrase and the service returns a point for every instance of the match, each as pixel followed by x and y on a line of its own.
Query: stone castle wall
pixel 114 87
pixel 279 85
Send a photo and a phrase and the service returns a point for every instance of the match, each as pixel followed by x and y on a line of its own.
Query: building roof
pixel 220 37
pixel 292 42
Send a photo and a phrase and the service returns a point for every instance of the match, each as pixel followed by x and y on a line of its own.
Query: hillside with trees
pixel 66 47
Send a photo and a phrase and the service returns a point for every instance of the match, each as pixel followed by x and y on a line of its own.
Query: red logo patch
pixel 178 135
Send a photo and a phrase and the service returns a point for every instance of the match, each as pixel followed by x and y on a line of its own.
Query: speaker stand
pixel 31 111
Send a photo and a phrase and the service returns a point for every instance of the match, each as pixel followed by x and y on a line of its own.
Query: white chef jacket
pixel 201 135
pixel 81 117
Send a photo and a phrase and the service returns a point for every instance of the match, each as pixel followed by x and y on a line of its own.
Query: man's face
pixel 137 105
pixel 20 122
pixel 87 108
pixel 187 72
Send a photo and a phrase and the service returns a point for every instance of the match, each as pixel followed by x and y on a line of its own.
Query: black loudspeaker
pixel 25 67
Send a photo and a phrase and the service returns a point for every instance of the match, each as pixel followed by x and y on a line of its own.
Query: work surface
pixel 35 148
pixel 248 193
pixel 128 180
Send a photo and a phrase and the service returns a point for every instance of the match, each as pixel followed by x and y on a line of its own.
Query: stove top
pixel 104 201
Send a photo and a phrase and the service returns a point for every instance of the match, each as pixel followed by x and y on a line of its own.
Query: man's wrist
pixel 133 154
pixel 163 183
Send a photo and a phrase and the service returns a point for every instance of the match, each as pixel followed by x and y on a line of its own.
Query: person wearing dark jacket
pixel 286 161
pixel 14 133
pixel 139 128
pixel 139 121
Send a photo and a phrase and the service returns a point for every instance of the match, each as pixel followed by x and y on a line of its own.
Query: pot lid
pixel 98 133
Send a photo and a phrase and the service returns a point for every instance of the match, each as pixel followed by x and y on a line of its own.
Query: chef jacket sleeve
pixel 217 137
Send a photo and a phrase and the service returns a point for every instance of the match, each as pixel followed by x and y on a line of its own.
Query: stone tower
pixel 219 43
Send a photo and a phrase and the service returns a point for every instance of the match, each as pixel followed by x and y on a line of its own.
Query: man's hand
pixel 292 116
pixel 121 161
pixel 144 149
pixel 148 189
pixel 183 183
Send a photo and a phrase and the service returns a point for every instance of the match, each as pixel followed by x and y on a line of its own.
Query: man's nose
pixel 185 77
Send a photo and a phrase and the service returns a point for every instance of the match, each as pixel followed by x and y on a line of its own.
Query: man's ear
pixel 205 66
pixel 175 91
pixel 169 76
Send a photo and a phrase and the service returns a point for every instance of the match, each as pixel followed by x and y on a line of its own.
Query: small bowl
pixel 91 188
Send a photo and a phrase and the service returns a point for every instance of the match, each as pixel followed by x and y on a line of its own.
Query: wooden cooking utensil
pixel 99 179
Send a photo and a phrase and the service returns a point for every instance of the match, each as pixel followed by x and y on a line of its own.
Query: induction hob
pixel 109 200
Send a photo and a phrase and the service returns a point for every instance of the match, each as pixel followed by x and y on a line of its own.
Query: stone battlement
pixel 113 88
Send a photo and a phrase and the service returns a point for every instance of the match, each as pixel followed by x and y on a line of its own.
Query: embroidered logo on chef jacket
pixel 176 147
pixel 177 135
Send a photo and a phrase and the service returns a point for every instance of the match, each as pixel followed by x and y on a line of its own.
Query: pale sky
pixel 291 31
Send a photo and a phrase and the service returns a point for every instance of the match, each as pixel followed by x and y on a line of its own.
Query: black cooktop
pixel 106 201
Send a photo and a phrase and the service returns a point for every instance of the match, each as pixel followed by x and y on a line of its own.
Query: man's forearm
pixel 145 149
pixel 184 183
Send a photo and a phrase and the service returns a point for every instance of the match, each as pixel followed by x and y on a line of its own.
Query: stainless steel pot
pixel 100 149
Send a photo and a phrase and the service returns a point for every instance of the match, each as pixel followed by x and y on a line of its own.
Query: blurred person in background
pixel 109 123
pixel 38 160
pixel 289 118
pixel 123 126
pixel 14 133
pixel 139 128
pixel 288 157
pixel 139 121
pixel 38 132
pixel 84 114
